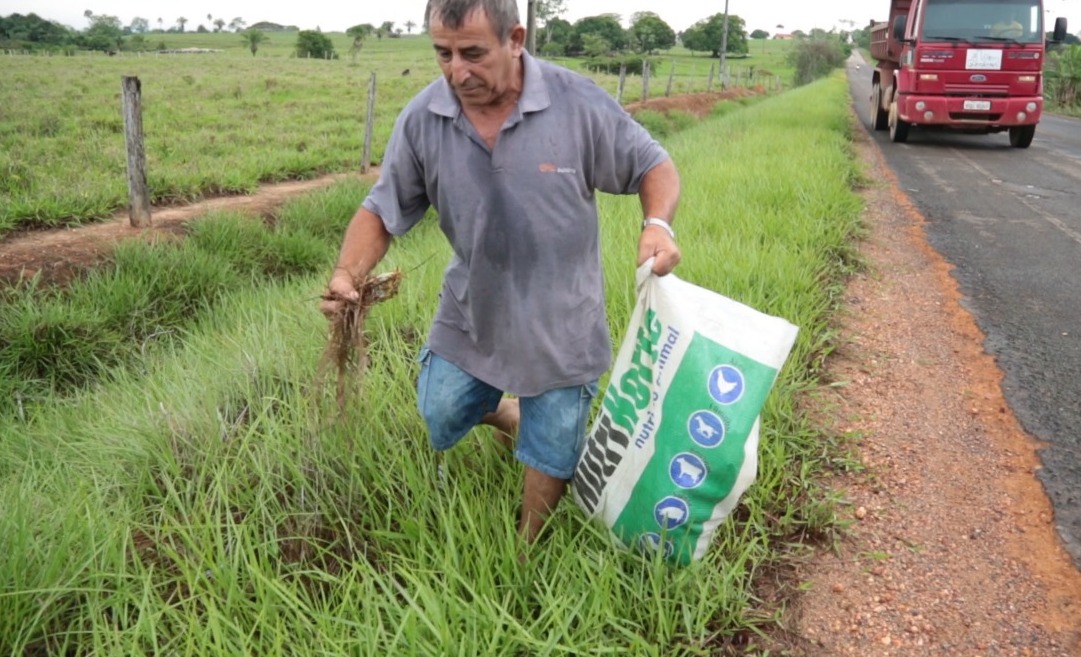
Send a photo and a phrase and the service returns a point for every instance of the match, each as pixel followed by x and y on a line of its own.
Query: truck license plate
pixel 978 105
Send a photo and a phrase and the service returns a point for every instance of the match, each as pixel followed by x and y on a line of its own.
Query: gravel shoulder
pixel 952 548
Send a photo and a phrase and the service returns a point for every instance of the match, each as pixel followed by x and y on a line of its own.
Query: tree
pixel 253 39
pixel 547 11
pixel 760 34
pixel 359 33
pixel 180 23
pixel 386 28
pixel 648 33
pixel 706 35
pixel 31 31
pixel 219 24
pixel 559 34
pixel 409 25
pixel 312 43
pixel 237 24
pixel 594 45
pixel 105 33
pixel 605 26
pixel 139 25
pixel 160 23
pixel 362 30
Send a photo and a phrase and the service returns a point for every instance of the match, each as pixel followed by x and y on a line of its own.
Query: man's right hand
pixel 339 288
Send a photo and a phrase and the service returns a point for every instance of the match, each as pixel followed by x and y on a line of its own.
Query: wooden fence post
pixel 709 84
pixel 622 81
pixel 366 158
pixel 138 194
pixel 671 75
pixel 645 80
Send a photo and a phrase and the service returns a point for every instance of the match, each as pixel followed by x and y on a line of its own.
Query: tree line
pixel 591 36
pixel 105 32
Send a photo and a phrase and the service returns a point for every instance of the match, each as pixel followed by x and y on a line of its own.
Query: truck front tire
pixel 880 118
pixel 898 127
pixel 1021 136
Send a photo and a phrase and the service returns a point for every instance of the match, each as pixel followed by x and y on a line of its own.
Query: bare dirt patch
pixel 57 255
pixel 952 550
pixel 700 104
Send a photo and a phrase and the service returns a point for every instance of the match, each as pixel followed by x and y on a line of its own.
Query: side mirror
pixel 1060 29
pixel 899 25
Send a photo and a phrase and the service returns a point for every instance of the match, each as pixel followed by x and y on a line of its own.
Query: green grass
pixel 217 123
pixel 58 341
pixel 208 500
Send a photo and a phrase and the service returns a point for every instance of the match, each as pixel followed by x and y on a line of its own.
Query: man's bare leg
pixel 541 494
pixel 505 421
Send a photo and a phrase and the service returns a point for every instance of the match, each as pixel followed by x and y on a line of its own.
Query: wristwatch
pixel 657 221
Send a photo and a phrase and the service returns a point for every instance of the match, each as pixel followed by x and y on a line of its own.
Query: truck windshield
pixel 1010 21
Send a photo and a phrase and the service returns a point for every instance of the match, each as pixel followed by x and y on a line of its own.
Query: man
pixel 510 151
pixel 1010 28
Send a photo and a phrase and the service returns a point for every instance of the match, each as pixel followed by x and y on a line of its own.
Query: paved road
pixel 1009 220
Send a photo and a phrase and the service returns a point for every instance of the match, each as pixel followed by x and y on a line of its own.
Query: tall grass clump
pixel 768 217
pixel 58 340
pixel 1063 70
pixel 214 501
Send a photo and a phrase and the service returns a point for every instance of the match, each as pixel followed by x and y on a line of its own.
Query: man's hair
pixel 502 14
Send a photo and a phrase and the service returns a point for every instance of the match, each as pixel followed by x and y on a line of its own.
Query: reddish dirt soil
pixel 57 255
pixel 700 104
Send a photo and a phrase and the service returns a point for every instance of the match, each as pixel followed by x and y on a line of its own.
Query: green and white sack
pixel 675 443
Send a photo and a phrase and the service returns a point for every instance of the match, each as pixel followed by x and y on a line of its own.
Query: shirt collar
pixel 533 99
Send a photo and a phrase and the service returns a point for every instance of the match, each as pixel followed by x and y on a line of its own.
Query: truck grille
pixel 990 90
pixel 975 117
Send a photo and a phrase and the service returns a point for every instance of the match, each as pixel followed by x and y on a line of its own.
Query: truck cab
pixel 964 65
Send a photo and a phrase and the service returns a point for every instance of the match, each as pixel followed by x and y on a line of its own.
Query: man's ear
pixel 517 38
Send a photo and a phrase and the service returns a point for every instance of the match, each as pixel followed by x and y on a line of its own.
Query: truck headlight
pixel 920 106
pixel 1031 107
pixel 1021 116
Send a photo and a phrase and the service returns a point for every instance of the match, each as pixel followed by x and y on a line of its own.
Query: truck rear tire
pixel 880 118
pixel 1021 136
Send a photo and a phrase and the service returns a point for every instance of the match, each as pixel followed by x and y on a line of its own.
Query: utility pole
pixel 531 27
pixel 724 44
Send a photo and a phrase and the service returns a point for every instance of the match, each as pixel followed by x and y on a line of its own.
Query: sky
pixel 336 16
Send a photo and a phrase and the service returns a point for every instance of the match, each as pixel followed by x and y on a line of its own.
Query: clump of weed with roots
pixel 347 348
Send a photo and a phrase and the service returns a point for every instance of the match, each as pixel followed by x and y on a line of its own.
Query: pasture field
pixel 194 492
pixel 222 123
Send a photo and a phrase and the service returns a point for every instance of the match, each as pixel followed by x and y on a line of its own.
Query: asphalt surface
pixel 1009 220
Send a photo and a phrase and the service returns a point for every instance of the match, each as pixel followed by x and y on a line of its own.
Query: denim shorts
pixel 553 424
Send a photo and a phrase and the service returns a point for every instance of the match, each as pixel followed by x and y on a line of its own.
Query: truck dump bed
pixel 880 43
pixel 884 47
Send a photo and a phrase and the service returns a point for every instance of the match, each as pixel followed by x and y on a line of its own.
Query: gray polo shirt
pixel 522 306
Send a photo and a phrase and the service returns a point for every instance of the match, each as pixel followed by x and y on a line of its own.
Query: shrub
pixel 635 64
pixel 815 58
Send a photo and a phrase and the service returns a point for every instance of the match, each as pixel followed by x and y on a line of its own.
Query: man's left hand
pixel 656 243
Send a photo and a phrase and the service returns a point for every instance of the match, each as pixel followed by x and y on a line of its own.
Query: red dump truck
pixel 964 65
